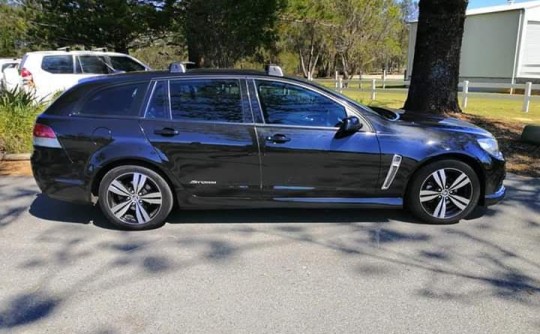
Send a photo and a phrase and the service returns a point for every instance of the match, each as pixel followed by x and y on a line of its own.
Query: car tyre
pixel 443 192
pixel 135 197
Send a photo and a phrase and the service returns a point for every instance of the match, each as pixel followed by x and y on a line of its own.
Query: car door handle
pixel 167 132
pixel 278 139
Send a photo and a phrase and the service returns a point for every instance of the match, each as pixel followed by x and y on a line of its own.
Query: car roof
pixel 76 52
pixel 157 75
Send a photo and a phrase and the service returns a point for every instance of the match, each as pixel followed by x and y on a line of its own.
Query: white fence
pixel 375 85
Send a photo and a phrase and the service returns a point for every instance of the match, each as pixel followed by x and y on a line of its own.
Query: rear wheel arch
pixel 473 163
pixel 143 163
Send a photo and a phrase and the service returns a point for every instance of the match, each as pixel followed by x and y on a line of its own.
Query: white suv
pixel 47 72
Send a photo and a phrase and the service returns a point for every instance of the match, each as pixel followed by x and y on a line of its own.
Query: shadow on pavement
pixel 46 208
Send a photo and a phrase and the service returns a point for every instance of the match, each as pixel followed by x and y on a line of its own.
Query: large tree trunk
pixel 435 77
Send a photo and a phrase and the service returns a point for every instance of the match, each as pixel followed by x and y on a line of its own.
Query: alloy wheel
pixel 134 198
pixel 446 193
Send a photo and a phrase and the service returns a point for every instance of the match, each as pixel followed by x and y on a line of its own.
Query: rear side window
pixel 57 64
pixel 122 100
pixel 217 100
pixel 158 107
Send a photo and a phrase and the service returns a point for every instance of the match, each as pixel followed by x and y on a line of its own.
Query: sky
pixel 486 3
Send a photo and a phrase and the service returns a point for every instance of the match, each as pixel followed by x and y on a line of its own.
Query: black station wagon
pixel 143 143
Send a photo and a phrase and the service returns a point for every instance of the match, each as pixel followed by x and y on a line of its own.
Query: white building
pixel 500 44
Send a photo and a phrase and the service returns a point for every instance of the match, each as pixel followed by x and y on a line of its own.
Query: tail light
pixel 26 75
pixel 44 136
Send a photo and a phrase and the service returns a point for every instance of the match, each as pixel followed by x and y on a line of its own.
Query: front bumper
pixel 496 197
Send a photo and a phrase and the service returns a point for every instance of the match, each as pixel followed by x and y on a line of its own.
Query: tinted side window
pixel 206 100
pixel 126 64
pixel 57 64
pixel 115 101
pixel 91 65
pixel 158 107
pixel 288 104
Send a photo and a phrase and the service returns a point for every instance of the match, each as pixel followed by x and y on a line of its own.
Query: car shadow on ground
pixel 49 209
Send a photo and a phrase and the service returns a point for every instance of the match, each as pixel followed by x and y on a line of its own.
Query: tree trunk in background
pixel 435 77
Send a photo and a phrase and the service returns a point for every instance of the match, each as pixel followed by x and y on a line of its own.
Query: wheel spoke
pixel 460 202
pixel 119 189
pixel 142 215
pixel 152 198
pixel 138 181
pixel 440 178
pixel 428 195
pixel 440 210
pixel 120 210
pixel 460 182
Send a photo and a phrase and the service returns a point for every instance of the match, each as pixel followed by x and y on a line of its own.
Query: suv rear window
pixel 58 64
pixel 122 100
pixel 217 100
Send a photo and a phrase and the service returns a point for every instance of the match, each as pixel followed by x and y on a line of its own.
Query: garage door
pixel 531 58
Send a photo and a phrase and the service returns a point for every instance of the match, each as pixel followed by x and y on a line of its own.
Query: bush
pixel 18 112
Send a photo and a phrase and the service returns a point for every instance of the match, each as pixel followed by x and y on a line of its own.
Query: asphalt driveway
pixel 63 269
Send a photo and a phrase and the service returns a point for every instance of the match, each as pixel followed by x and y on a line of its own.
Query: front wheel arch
pixel 474 164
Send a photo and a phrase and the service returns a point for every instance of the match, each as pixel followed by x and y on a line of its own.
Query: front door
pixel 301 158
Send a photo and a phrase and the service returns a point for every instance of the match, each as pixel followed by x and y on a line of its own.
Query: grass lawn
pixel 501 106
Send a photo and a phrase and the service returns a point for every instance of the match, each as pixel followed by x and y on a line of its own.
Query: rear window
pixel 122 100
pixel 62 64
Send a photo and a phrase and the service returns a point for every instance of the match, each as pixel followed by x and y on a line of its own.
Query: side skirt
pixel 196 202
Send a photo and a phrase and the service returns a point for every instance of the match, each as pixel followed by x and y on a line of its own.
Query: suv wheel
pixel 443 192
pixel 135 197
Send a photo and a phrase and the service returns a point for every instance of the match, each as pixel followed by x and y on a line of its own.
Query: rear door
pixel 204 128
pixel 301 158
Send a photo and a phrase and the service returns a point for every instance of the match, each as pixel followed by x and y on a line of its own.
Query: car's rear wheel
pixel 135 197
pixel 443 192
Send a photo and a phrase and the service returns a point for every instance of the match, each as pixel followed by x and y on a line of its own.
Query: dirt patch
pixel 15 168
pixel 521 158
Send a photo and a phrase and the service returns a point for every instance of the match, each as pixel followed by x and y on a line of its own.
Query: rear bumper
pixel 56 177
pixel 496 197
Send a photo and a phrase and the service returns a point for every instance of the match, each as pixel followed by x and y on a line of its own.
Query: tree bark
pixel 435 77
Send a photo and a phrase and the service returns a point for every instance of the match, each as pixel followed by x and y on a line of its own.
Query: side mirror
pixel 348 126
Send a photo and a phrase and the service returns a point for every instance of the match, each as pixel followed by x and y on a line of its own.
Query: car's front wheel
pixel 443 192
pixel 135 197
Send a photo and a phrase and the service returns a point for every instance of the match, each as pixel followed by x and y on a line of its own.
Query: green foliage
pixel 221 32
pixel 18 98
pixel 18 112
pixel 160 55
pixel 13 28
pixel 116 24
